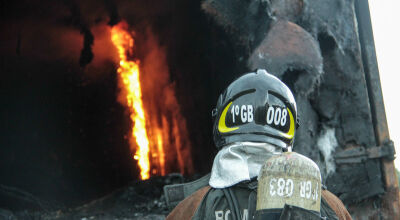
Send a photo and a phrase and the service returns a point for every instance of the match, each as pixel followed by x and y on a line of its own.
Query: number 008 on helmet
pixel 256 107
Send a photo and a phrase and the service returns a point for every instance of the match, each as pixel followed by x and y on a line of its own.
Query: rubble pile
pixel 138 200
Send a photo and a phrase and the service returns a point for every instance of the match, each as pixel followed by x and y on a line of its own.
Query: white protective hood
pixel 240 161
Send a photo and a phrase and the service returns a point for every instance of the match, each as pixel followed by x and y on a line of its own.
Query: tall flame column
pixel 129 74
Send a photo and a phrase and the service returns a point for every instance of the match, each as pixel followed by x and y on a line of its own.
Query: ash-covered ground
pixel 138 200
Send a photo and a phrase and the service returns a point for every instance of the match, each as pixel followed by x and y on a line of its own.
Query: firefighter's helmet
pixel 256 107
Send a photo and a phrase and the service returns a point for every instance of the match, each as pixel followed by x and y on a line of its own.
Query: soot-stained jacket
pixel 239 203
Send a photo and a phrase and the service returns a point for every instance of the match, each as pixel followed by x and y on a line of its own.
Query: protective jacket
pixel 238 202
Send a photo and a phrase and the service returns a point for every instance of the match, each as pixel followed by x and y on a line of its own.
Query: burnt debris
pixel 139 200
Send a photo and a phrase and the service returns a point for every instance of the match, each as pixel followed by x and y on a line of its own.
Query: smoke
pixel 39 40
pixel 112 12
pixel 327 144
pixel 64 32
pixel 162 105
pixel 86 52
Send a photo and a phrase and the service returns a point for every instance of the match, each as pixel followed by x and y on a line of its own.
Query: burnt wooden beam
pixel 391 204
pixel 361 154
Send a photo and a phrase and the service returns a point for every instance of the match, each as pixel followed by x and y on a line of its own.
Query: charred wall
pixel 314 47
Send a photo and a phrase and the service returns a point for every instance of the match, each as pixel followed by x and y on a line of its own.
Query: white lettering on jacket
pixel 225 214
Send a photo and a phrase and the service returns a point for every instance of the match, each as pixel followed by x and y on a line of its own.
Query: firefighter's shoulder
pixel 188 207
pixel 175 193
pixel 335 205
pixel 184 198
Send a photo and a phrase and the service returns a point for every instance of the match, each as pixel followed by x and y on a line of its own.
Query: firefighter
pixel 255 119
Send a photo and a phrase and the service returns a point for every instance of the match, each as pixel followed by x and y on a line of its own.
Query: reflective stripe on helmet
pixel 290 133
pixel 222 124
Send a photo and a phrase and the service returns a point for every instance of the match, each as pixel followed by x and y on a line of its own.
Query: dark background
pixel 63 132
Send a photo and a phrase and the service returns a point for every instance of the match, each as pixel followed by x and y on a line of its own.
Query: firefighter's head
pixel 257 107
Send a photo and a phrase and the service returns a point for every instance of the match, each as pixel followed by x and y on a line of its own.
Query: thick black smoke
pixel 76 20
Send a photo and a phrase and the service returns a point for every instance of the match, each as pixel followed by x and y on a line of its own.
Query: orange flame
pixel 162 139
pixel 129 72
pixel 161 157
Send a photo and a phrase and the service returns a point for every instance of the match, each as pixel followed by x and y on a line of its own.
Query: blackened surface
pixel 62 139
pixel 305 138
pixel 343 87
pixel 337 99
pixel 286 9
pixel 140 200
pixel 364 177
pixel 246 21
pixel 289 47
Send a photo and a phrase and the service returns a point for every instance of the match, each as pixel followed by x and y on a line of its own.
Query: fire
pixel 159 135
pixel 129 72
pixel 161 157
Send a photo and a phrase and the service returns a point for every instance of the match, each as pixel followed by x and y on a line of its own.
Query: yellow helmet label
pixel 222 124
pixel 290 133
